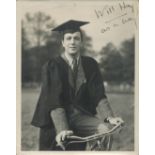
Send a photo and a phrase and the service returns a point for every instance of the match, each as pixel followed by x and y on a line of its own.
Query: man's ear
pixel 62 43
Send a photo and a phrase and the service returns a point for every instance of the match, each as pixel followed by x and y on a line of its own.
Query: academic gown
pixel 58 92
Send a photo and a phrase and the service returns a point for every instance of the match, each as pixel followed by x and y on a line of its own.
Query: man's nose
pixel 73 41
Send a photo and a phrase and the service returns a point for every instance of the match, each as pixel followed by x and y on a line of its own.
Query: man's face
pixel 72 43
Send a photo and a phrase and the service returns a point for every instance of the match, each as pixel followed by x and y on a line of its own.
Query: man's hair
pixel 71 31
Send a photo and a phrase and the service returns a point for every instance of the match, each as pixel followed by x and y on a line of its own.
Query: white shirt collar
pixel 70 59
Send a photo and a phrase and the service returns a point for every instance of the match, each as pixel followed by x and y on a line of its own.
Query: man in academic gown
pixel 72 98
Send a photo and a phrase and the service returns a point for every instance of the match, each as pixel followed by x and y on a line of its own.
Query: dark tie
pixel 75 71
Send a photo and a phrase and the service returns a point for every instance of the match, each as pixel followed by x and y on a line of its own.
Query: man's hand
pixel 62 135
pixel 115 120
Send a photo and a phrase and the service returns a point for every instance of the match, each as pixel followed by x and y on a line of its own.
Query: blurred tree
pixel 127 51
pixel 36 34
pixel 38 26
pixel 25 42
pixel 117 65
pixel 111 64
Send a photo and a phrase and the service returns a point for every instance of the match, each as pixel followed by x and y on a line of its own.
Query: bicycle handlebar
pixel 77 139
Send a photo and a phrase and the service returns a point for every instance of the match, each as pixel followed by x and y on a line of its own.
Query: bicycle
pixel 98 142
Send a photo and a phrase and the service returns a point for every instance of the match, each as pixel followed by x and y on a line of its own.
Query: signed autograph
pixel 116 15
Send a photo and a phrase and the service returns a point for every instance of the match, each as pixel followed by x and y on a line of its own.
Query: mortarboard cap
pixel 70 25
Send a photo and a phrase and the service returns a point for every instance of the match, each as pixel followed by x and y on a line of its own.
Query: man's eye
pixel 77 38
pixel 68 38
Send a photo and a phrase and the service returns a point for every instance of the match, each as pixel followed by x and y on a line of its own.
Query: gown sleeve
pixel 50 96
pixel 96 86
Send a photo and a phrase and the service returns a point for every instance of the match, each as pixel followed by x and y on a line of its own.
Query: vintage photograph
pixel 79 75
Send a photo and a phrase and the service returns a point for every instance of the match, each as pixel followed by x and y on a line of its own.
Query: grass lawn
pixel 122 104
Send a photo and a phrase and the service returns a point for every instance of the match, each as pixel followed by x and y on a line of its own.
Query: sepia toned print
pixel 108 54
